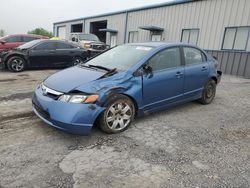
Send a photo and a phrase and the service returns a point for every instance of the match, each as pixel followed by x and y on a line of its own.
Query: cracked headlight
pixel 78 98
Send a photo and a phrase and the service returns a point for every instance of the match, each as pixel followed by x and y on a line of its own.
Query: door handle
pixel 203 68
pixel 178 74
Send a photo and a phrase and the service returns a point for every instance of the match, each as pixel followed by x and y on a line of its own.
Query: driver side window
pixel 168 58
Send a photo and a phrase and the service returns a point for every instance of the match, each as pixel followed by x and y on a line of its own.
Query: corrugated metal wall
pixel 234 63
pixel 210 16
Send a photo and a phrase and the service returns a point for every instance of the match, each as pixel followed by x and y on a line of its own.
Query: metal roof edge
pixel 176 2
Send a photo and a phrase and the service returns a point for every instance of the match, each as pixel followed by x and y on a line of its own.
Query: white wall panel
pixel 210 16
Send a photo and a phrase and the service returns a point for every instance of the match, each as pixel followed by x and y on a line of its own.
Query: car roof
pixel 28 35
pixel 162 44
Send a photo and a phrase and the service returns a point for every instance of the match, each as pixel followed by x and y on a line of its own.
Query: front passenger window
pixel 192 56
pixel 165 59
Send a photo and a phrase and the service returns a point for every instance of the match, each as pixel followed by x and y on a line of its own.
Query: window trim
pixel 235 27
pixel 169 68
pixel 190 29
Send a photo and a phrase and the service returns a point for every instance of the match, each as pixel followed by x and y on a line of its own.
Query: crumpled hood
pixel 71 78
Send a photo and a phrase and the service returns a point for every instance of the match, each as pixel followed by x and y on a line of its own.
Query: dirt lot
pixel 187 146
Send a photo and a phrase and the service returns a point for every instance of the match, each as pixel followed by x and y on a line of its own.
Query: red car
pixel 12 41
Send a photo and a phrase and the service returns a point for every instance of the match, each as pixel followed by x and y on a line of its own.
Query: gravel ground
pixel 187 146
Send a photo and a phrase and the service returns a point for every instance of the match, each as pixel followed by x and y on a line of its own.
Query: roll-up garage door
pixel 61 32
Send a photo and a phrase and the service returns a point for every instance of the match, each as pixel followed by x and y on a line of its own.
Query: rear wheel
pixel 208 93
pixel 118 115
pixel 16 64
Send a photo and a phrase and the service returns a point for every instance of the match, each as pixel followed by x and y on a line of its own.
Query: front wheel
pixel 16 64
pixel 208 93
pixel 118 115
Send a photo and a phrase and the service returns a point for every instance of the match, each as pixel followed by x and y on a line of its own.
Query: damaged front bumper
pixel 68 117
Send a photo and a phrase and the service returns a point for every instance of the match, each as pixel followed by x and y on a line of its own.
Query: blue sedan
pixel 130 80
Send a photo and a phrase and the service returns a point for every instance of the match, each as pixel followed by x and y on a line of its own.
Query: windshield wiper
pixel 100 67
pixel 110 73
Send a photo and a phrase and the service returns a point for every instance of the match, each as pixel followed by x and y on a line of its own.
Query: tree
pixel 2 33
pixel 41 31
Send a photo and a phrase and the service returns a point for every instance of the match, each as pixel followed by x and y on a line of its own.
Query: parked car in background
pixel 43 53
pixel 126 81
pixel 12 41
pixel 89 42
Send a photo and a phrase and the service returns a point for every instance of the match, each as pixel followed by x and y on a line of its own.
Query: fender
pixel 10 54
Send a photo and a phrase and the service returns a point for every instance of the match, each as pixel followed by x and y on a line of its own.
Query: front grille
pixel 42 112
pixel 50 92
pixel 98 47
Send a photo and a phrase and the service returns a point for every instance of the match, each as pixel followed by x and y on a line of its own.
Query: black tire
pixel 208 93
pixel 122 112
pixel 16 64
pixel 77 60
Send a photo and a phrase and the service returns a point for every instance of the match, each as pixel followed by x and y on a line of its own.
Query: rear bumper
pixel 219 74
pixel 68 117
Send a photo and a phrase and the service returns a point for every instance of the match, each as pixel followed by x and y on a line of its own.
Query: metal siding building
pixel 220 26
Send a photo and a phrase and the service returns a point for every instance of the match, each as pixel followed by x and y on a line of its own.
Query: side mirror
pixel 2 41
pixel 139 72
pixel 144 70
pixel 147 69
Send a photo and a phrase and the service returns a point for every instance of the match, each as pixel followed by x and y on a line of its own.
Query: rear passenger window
pixel 193 56
pixel 28 39
pixel 168 58
pixel 61 45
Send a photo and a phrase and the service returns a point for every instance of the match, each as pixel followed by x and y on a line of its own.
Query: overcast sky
pixel 20 16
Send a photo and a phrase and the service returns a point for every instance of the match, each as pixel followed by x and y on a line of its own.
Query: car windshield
pixel 88 37
pixel 121 57
pixel 29 44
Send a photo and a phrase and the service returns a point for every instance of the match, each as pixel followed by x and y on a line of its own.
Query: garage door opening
pixel 61 32
pixel 76 28
pixel 95 29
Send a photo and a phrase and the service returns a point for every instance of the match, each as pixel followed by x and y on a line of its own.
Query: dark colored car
pixel 124 82
pixel 43 53
pixel 12 41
